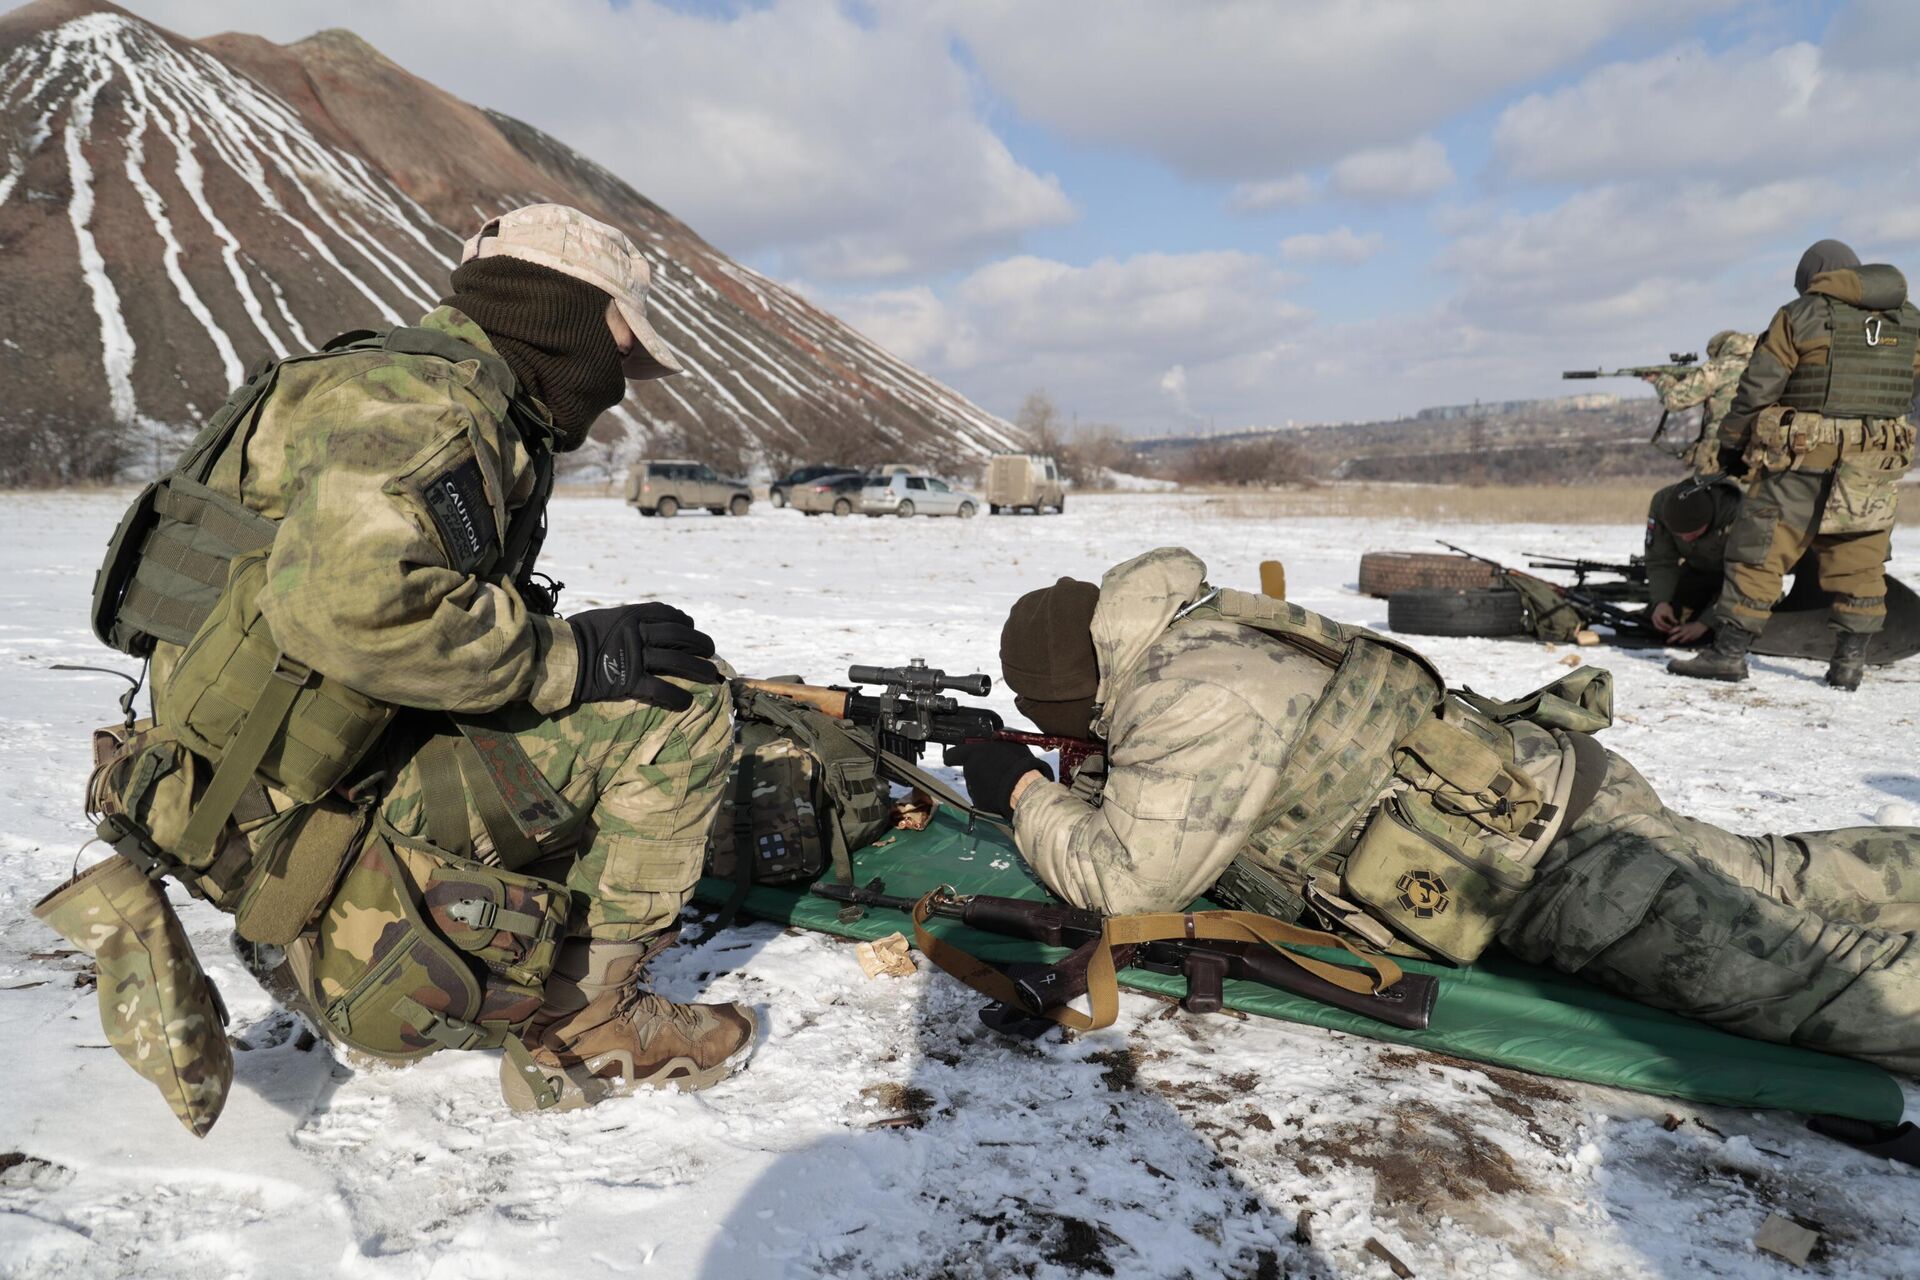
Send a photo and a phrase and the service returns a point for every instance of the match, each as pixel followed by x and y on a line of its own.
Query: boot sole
pixel 589 1090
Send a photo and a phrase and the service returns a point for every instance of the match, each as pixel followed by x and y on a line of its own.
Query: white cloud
pixel 1342 244
pixel 1121 338
pixel 1690 111
pixel 849 146
pixel 1246 89
pixel 1417 169
pixel 1281 193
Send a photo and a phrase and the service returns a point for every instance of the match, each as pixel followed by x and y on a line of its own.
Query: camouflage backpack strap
pixel 856 794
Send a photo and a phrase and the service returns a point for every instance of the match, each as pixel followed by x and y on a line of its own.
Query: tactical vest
pixel 1869 370
pixel 1402 810
pixel 184 795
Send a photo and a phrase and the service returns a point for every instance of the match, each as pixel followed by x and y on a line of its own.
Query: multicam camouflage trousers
pixel 642 784
pixel 1777 525
pixel 1806 939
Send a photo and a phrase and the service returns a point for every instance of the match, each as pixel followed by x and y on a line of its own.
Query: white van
pixel 1030 480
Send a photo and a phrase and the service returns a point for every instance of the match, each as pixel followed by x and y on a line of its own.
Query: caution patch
pixel 457 500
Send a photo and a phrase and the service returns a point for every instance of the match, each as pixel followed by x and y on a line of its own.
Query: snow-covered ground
pixel 879 1132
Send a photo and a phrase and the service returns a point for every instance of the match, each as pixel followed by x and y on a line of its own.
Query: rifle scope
pixel 918 676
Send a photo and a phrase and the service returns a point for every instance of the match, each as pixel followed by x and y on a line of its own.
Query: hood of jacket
pixel 1875 287
pixel 1138 600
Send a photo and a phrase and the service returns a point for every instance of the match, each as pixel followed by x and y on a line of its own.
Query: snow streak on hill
pixel 172 210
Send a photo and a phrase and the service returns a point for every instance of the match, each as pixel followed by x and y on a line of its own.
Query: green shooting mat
pixel 1498 1011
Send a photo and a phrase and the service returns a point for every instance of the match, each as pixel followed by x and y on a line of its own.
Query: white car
pixel 916 495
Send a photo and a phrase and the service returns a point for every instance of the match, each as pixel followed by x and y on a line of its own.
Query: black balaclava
pixel 1048 659
pixel 1822 255
pixel 551 329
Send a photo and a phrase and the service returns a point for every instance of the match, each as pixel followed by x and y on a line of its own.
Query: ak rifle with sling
pixel 1634 570
pixel 915 709
pixel 1682 362
pixel 1027 996
pixel 1587 603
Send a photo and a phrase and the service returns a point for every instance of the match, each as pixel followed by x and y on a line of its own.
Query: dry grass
pixel 1614 502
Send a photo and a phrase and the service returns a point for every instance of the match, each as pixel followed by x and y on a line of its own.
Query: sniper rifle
pixel 1026 993
pixel 1682 362
pixel 914 710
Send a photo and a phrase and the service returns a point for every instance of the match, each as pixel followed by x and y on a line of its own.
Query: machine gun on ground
pixel 1544 597
pixel 1682 362
pixel 1631 589
pixel 914 710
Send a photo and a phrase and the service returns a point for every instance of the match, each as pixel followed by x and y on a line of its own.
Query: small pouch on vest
pixel 1433 879
pixel 387 983
pixel 158 1008
pixel 230 669
pixel 1454 760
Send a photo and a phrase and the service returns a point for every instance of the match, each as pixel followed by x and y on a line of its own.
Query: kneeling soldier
pixel 1687 526
pixel 1284 762
pixel 441 817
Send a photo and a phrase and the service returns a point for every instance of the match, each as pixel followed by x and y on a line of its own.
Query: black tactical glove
pixel 1733 462
pixel 992 769
pixel 624 652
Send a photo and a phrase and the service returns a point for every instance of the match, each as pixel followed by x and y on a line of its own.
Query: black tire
pixel 842 507
pixel 667 508
pixel 778 497
pixel 1060 507
pixel 906 510
pixel 1388 573
pixel 966 510
pixel 993 508
pixel 1496 612
pixel 739 505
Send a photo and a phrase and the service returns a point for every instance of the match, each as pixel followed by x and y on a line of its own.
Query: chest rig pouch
pixel 1404 815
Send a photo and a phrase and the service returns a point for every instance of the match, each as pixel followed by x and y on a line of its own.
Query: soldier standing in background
pixel 1820 428
pixel 1687 526
pixel 1711 386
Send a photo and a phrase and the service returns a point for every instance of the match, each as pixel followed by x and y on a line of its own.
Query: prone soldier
pixel 1278 759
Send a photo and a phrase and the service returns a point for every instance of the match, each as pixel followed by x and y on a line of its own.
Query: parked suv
pixel 839 494
pixel 1031 480
pixel 664 487
pixel 915 495
pixel 780 492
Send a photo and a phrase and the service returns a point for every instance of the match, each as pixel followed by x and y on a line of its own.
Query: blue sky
pixel 1171 213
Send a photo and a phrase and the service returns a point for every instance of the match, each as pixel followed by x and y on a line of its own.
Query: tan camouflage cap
pixel 568 241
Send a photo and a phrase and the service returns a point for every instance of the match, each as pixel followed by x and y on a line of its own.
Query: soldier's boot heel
pixel 1726 660
pixel 1849 665
pixel 627 1039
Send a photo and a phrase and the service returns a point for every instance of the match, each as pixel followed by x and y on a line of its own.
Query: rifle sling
pixel 1103 988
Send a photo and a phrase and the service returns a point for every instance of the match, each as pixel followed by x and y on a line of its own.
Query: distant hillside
pixel 171 210
pixel 1538 441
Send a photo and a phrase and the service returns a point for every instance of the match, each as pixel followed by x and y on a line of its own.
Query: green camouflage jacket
pixel 1802 332
pixel 1198 717
pixel 1667 554
pixel 391 476
pixel 1711 384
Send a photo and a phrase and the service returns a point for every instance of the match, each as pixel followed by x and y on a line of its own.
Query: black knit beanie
pixel 551 329
pixel 1688 507
pixel 1048 659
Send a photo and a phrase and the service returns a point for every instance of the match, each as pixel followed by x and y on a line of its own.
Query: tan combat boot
pixel 602 1035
